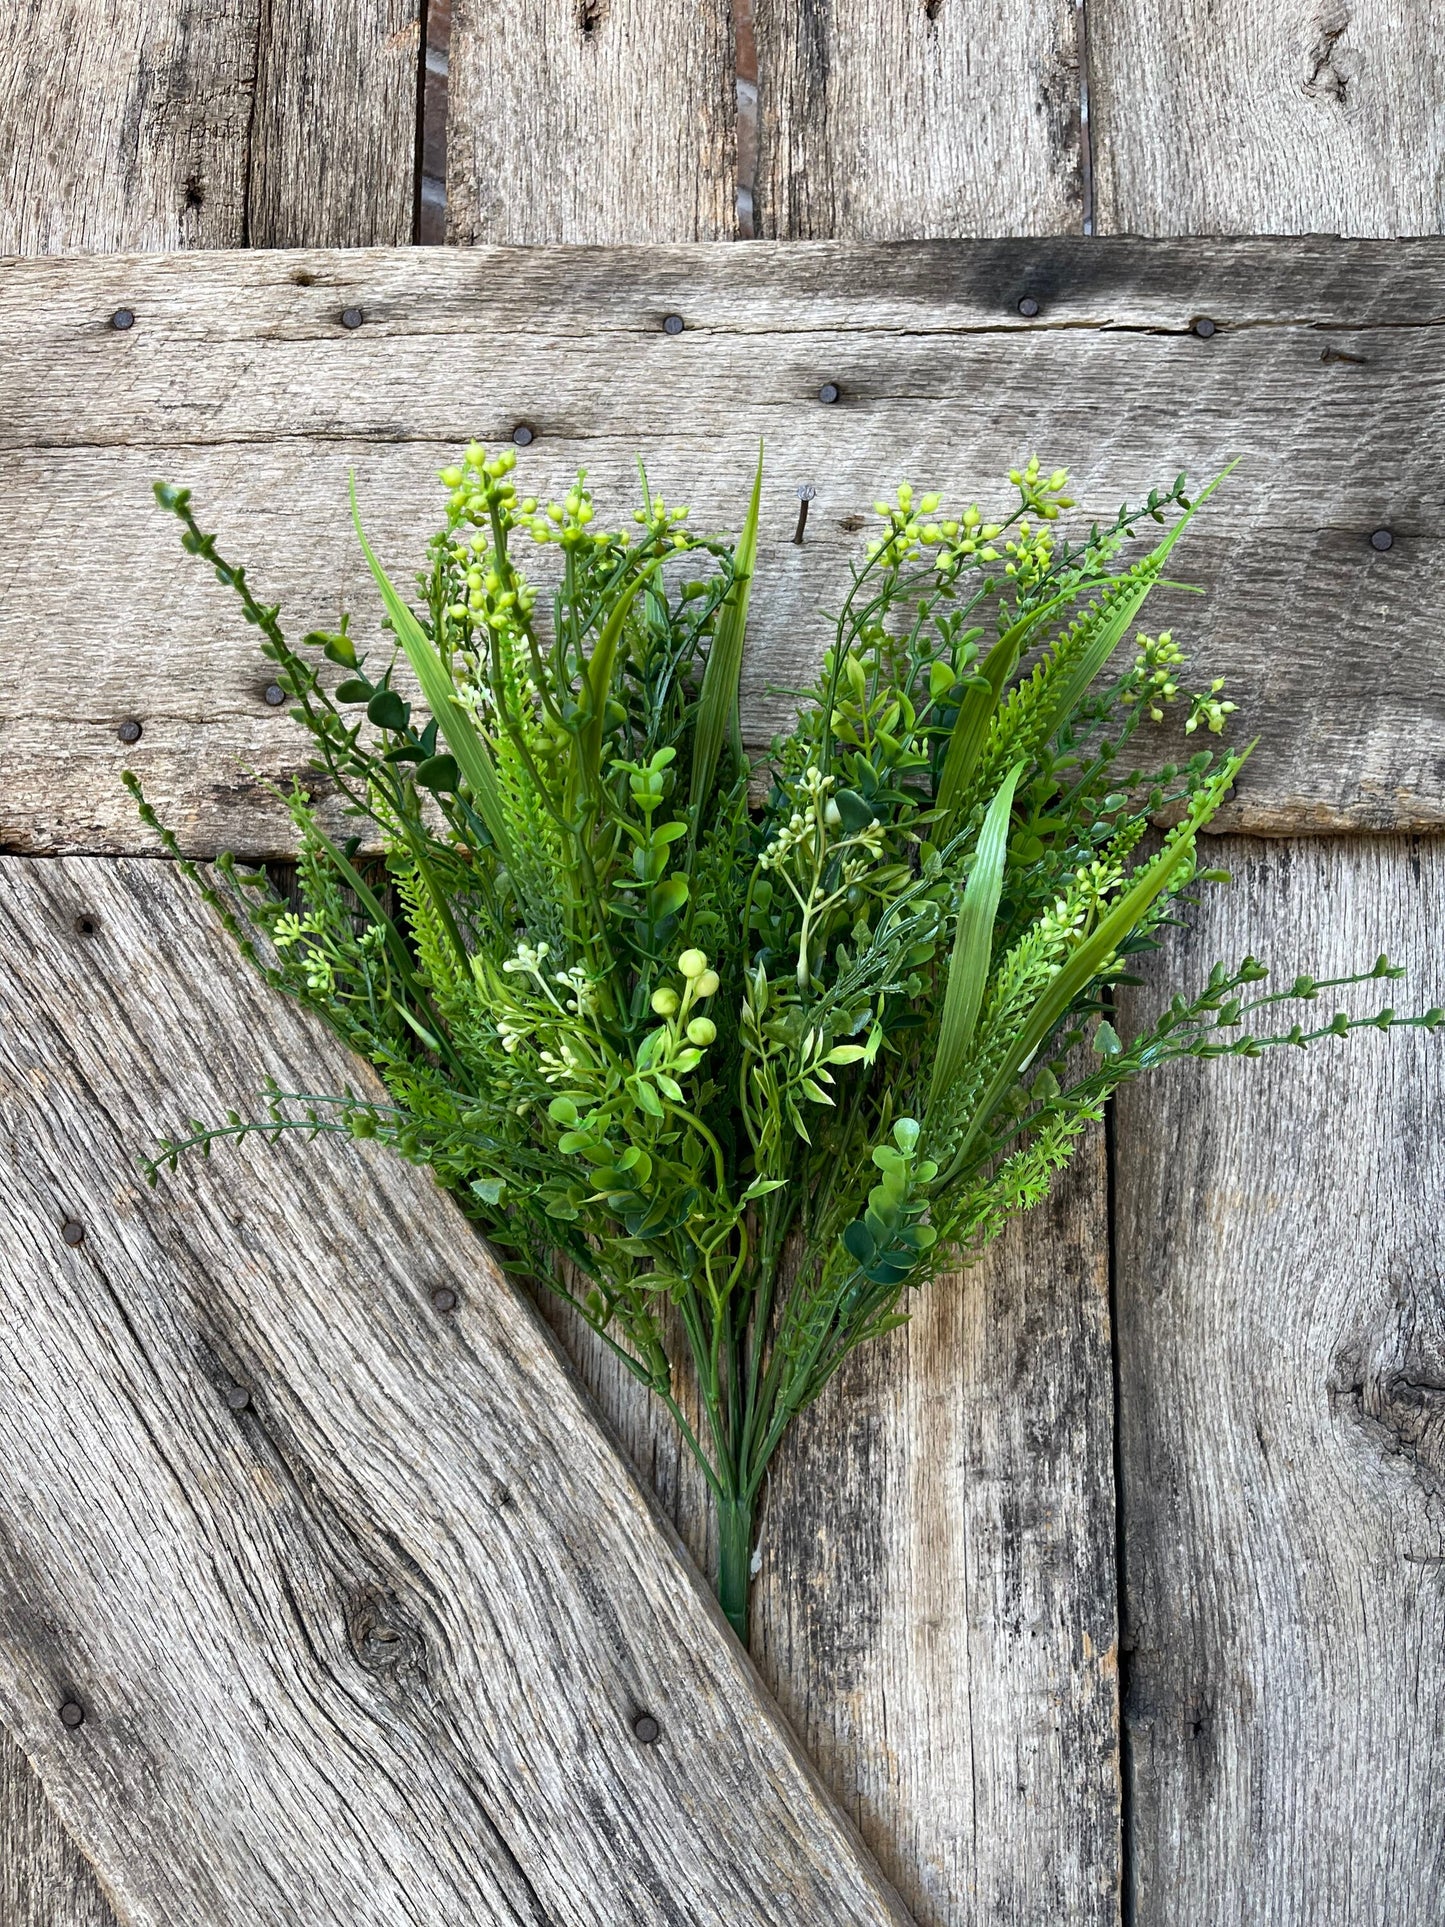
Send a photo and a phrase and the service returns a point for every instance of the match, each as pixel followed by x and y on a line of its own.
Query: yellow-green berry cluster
pixel 699 982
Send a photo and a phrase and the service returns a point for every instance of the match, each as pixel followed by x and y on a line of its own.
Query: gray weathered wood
pixel 1291 118
pixel 1283 1424
pixel 124 126
pixel 333 140
pixel 936 1603
pixel 238 379
pixel 181 123
pixel 371 1647
pixel 591 120
pixel 890 120
pixel 45 1881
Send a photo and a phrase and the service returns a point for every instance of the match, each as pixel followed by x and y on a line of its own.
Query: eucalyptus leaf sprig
pixel 750 1074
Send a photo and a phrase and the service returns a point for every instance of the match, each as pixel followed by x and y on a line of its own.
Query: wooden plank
pixel 1229 117
pixel 135 126
pixel 367 1643
pixel 239 378
pixel 885 120
pixel 45 1881
pixel 181 124
pixel 591 121
pixel 334 136
pixel 1282 1359
pixel 936 1604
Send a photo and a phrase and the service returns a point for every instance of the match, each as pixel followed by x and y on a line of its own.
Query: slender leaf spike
pixel 968 968
pixel 717 717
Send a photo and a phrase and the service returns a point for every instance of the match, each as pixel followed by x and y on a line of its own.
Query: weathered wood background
pixel 1114 1584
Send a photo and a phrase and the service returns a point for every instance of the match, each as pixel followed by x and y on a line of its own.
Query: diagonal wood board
pixel 356 1599
pixel 238 377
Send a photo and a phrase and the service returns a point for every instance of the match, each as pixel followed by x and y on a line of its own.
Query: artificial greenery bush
pixel 736 1075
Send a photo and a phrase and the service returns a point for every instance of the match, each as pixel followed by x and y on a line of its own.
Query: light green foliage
pixel 769 1067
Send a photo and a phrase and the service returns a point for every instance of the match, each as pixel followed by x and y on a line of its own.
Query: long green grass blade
pixel 1089 957
pixel 601 666
pixel 973 941
pixel 717 715
pixel 455 725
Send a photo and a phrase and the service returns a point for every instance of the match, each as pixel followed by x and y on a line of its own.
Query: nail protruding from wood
pixel 238 1398
pixel 645 1730
pixel 72 1714
pixel 352 317
pixel 73 1232
pixel 1204 327
pixel 273 694
pixel 444 1299
pixel 829 392
pixel 524 435
pixel 1382 539
pixel 130 731
pixel 122 319
pixel 805 495
pixel 1028 307
pixel 672 324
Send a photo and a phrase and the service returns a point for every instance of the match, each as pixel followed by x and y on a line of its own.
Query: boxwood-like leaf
pixel 439 773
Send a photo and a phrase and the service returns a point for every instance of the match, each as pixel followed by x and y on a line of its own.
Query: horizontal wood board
pixel 239 379
pixel 372 1646
pixel 1281 1331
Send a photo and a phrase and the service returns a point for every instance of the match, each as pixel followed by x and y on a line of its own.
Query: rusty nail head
pixel 121 320
pixel 444 1298
pixel 830 391
pixel 273 694
pixel 1204 327
pixel 672 324
pixel 238 1398
pixel 524 434
pixel 129 732
pixel 1028 307
pixel 1382 539
pixel 646 1730
pixel 73 1232
pixel 72 1714
pixel 352 317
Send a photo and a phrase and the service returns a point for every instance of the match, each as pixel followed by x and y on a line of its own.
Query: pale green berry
pixel 692 963
pixel 664 1002
pixel 701 1031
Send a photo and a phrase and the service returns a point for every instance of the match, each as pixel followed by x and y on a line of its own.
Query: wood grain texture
pixel 125 125
pixel 591 121
pixel 45 1881
pixel 370 1648
pixel 237 378
pixel 333 139
pixel 206 123
pixel 1282 1340
pixel 890 120
pixel 936 1602
pixel 1227 117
